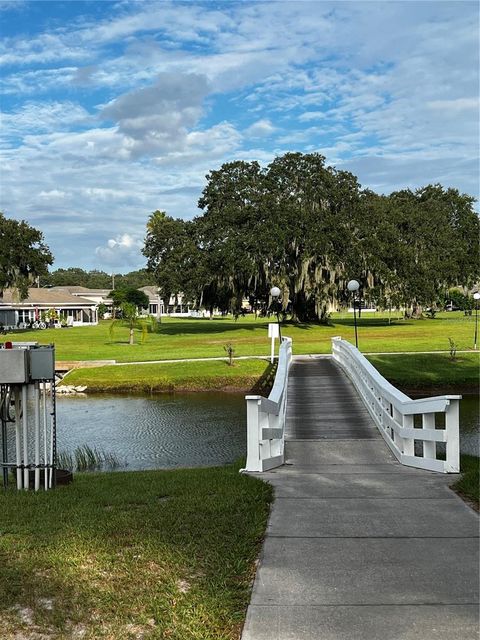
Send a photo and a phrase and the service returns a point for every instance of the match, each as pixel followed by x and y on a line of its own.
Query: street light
pixel 476 297
pixel 354 286
pixel 275 293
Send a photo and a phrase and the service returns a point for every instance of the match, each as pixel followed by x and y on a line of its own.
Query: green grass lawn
pixel 422 371
pixel 193 338
pixel 468 486
pixel 245 375
pixel 154 554
pixel 430 370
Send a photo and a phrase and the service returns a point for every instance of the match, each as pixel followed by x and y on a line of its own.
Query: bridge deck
pixel 359 547
pixel 323 404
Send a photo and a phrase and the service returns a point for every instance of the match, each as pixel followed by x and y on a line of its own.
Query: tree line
pixel 309 228
pixel 299 224
pixel 95 279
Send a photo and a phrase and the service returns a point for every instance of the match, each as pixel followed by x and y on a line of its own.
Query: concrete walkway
pixel 359 547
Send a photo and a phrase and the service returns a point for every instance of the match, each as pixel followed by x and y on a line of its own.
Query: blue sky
pixel 111 110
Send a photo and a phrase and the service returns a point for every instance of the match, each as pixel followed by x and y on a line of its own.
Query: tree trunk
pixel 131 335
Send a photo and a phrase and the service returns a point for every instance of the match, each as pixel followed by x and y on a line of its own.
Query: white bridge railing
pixel 394 414
pixel 266 418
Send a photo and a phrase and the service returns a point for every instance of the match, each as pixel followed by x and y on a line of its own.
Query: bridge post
pixel 408 443
pixel 253 433
pixel 429 447
pixel 452 414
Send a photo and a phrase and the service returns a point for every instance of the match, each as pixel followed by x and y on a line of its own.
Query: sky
pixel 111 110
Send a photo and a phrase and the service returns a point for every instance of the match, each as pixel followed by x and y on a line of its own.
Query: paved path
pixel 359 547
pixel 102 363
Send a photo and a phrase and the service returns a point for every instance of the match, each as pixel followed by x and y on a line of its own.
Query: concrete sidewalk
pixel 369 550
pixel 359 547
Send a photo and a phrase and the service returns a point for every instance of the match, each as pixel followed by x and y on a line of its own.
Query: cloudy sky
pixel 114 109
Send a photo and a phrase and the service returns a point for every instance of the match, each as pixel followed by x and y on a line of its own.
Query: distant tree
pixel 71 277
pixel 23 255
pixel 94 279
pixel 98 280
pixel 136 297
pixel 309 228
pixel 131 296
pixel 102 309
pixel 173 255
pixel 135 279
pixel 117 296
pixel 422 243
pixel 130 314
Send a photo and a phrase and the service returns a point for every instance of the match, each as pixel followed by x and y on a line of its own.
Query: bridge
pixel 365 540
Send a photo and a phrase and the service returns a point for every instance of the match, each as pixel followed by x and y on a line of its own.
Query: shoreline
pixel 411 389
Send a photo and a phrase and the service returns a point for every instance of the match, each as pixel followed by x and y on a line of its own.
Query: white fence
pixel 266 418
pixel 401 420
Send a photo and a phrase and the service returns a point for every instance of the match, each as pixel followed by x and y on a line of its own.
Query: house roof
pixel 43 297
pixel 78 289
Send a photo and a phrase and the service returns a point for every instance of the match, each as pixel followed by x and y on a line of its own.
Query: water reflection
pixel 180 430
pixel 151 432
pixel 469 425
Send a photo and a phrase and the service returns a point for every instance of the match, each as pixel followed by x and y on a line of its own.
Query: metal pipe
pixel 25 436
pixel 45 447
pixel 3 418
pixel 53 434
pixel 476 326
pixel 278 322
pixel 36 408
pixel 18 438
pixel 355 322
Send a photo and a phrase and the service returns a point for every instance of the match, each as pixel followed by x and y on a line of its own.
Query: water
pixel 152 432
pixel 470 425
pixel 180 430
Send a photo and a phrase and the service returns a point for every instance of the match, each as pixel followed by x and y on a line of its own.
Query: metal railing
pixel 408 426
pixel 266 418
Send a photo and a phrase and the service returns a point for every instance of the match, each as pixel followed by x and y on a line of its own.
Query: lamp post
pixel 476 297
pixel 354 286
pixel 275 293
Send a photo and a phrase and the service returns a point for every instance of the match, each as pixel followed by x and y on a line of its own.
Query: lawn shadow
pixel 204 326
pixel 264 384
pixel 370 322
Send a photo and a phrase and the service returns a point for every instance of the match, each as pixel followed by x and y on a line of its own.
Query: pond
pixel 470 425
pixel 161 431
pixel 179 430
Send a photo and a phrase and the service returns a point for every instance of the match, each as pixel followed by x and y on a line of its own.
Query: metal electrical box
pixel 13 366
pixel 42 363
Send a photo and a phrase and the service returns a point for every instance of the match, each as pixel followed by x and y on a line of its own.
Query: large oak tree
pixel 23 255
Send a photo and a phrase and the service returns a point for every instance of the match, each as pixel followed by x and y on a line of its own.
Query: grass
pixel 245 375
pixel 411 372
pixel 85 458
pixel 468 485
pixel 424 371
pixel 153 554
pixel 196 338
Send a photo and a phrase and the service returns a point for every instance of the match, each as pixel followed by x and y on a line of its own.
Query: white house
pixel 73 310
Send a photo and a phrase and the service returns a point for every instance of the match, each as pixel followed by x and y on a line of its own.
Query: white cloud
pixel 35 117
pixel 54 193
pixel 260 128
pixel 122 251
pixel 157 118
pixel 388 90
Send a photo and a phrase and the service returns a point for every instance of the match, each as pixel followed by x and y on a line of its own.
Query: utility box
pixel 13 366
pixel 42 363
